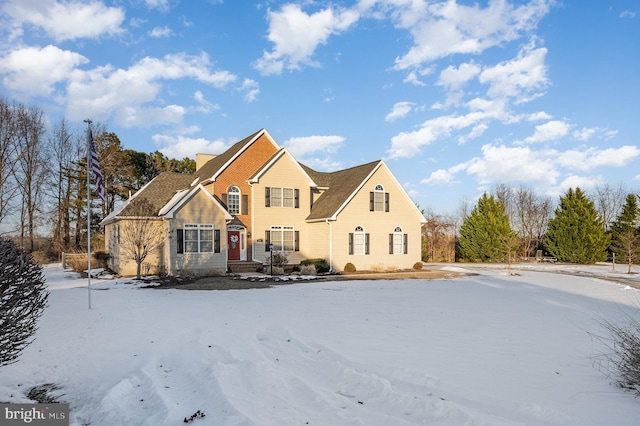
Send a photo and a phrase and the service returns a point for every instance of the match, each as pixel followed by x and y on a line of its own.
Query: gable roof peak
pixel 212 168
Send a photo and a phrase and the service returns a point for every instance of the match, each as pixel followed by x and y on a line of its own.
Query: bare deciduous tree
pixel 439 238
pixel 532 213
pixel 63 145
pixel 141 232
pixel 8 184
pixel 608 201
pixel 30 167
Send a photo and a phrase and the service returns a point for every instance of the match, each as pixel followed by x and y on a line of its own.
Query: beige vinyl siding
pixel 378 224
pixel 126 266
pixel 284 173
pixel 198 210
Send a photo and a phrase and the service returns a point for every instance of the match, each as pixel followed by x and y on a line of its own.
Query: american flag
pixel 95 168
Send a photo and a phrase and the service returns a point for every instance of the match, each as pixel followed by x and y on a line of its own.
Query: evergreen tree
pixel 576 234
pixel 625 233
pixel 486 234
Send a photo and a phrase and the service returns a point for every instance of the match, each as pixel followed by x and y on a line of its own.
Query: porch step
pixel 239 266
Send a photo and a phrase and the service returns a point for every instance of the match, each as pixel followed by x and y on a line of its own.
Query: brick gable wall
pixel 237 173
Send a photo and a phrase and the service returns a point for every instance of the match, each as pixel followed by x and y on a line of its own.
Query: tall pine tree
pixel 486 234
pixel 576 234
pixel 625 233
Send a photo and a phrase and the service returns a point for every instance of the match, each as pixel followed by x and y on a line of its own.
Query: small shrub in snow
pixel 276 270
pixel 279 259
pixel 102 258
pixel 624 359
pixel 308 270
pixel 23 297
pixel 417 266
pixel 349 267
pixel 321 265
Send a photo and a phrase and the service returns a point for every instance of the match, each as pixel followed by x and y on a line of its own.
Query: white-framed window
pixel 276 197
pixel 198 238
pixel 282 238
pixel 233 200
pixel 358 241
pixel 282 197
pixel 398 241
pixel 378 199
pixel 287 197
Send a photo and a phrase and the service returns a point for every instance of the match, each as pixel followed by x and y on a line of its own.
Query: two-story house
pixel 255 198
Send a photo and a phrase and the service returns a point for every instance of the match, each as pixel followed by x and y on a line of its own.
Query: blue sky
pixel 454 96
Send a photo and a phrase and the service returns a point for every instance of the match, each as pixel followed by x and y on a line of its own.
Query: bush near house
pixel 349 267
pixel 417 266
pixel 321 264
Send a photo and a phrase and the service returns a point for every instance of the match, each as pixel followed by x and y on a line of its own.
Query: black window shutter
pixel 405 243
pixel 297 241
pixel 216 241
pixel 371 207
pixel 267 240
pixel 366 243
pixel 180 240
pixel 390 243
pixel 224 199
pixel 386 201
pixel 245 204
pixel 296 198
pixel 267 197
pixel 350 242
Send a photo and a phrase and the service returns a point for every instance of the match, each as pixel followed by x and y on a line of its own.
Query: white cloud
pixel 205 105
pixel 591 158
pixel 445 28
pixel 551 130
pixel 539 116
pixel 34 71
pixel 161 32
pixel 149 116
pixel 129 94
pixel 542 168
pixel 250 89
pixel 573 181
pixel 181 146
pixel 296 35
pixel 628 14
pixel 440 177
pixel 408 144
pixel 306 145
pixel 454 78
pixel 501 163
pixel 158 4
pixel 522 78
pixel 475 133
pixel 399 110
pixel 66 20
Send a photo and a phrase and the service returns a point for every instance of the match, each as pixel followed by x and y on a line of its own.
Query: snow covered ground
pixel 487 349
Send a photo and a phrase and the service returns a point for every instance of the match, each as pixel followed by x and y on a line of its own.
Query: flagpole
pixel 88 209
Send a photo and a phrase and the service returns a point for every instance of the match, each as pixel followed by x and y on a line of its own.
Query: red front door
pixel 233 241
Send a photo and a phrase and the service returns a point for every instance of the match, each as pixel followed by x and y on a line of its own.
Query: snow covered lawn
pixel 489 349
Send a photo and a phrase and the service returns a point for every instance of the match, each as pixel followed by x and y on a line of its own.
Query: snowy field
pixel 487 349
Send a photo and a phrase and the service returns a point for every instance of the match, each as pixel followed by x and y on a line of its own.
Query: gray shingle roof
pixel 341 185
pixel 213 166
pixel 159 191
